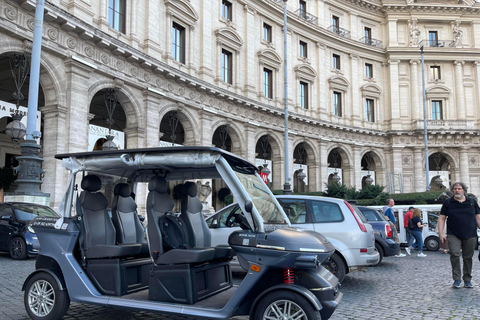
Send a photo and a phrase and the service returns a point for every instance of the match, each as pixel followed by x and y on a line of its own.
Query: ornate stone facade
pixel 377 123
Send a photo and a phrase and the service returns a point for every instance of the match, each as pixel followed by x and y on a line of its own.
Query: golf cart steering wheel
pixel 236 216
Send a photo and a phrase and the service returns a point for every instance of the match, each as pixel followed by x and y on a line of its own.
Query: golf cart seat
pixel 197 228
pixel 128 227
pixel 160 204
pixel 99 232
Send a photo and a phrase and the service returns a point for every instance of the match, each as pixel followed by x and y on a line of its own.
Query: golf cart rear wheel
pixel 282 305
pixel 43 298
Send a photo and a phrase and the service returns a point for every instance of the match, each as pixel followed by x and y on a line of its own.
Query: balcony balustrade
pixel 340 31
pixel 307 16
pixel 446 124
pixel 372 42
pixel 438 43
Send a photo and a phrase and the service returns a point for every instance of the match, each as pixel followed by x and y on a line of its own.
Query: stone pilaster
pixel 251 71
pixel 394 95
pixel 418 170
pixel 153 102
pixel 464 170
pixel 459 91
pixel 357 167
pixel 356 107
pixel 416 102
pixel 78 75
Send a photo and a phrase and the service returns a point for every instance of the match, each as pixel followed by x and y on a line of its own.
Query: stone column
pixel 103 25
pixel 54 142
pixel 323 170
pixel 416 102
pixel 397 162
pixel 322 87
pixel 464 170
pixel 78 76
pixel 251 143
pixel 251 72
pixel 357 167
pixel 418 169
pixel 356 107
pixel 153 103
pixel 459 92
pixel 205 49
pixel 394 95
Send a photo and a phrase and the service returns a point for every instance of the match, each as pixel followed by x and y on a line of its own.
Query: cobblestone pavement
pixel 399 288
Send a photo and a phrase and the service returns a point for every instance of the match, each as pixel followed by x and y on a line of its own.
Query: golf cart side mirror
pixel 141 218
pixel 248 206
pixel 214 223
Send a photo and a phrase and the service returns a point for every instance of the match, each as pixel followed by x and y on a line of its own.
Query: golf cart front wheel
pixel 285 305
pixel 43 298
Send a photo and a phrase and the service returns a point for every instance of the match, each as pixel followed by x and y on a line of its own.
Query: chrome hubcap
pixel 284 310
pixel 41 298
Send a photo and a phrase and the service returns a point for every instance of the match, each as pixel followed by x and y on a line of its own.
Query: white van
pixel 430 214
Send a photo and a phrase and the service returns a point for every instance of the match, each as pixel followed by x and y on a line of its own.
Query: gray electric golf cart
pixel 97 252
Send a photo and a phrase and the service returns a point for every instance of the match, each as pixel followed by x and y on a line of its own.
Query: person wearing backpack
pixel 408 234
pixel 463 215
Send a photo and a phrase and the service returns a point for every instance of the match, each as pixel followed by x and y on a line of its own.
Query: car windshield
pixel 25 212
pixel 261 198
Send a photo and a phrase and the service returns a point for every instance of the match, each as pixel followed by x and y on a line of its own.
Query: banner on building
pixel 7 108
pixel 95 133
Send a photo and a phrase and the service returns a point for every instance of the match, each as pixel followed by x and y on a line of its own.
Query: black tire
pixel 335 265
pixel 285 304
pixel 379 249
pixel 17 249
pixel 43 298
pixel 432 244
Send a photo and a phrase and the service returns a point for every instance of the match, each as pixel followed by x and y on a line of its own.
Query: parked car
pixel 386 238
pixel 16 235
pixel 342 223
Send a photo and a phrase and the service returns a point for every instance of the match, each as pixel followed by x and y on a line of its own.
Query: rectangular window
pixel 116 14
pixel 267 32
pixel 304 95
pixel 227 66
pixel 367 34
pixel 370 108
pixel 336 61
pixel 435 72
pixel 178 42
pixel 337 103
pixel 268 83
pixel 295 209
pixel 437 113
pixel 433 38
pixel 368 70
pixel 335 24
pixel 323 211
pixel 302 6
pixel 227 10
pixel 303 49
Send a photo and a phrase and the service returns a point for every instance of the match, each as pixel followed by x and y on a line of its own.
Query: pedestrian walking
pixel 408 234
pixel 387 210
pixel 417 231
pixel 463 216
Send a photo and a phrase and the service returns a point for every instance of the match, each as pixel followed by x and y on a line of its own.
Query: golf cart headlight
pixel 30 229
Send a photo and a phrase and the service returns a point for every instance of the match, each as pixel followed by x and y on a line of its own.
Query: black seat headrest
pixel 158 184
pixel 122 190
pixel 190 188
pixel 91 183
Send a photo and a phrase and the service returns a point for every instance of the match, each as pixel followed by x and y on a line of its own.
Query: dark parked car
pixel 16 235
pixel 386 241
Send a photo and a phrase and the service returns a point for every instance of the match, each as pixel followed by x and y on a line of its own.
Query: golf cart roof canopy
pixel 182 162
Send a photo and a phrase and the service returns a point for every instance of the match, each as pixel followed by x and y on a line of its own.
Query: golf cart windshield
pixel 262 199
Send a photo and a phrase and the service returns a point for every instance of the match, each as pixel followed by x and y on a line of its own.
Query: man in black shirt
pixel 463 219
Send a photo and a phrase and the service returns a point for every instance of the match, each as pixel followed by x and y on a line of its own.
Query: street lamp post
pixel 427 169
pixel 29 173
pixel 286 187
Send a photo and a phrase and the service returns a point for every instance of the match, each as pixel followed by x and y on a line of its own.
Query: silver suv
pixel 341 222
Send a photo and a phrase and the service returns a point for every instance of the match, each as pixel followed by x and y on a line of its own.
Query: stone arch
pixel 234 133
pixel 277 157
pixel 347 165
pixel 311 162
pixel 380 169
pixel 128 100
pixel 185 116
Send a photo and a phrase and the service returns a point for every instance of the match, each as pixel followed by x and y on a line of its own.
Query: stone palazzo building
pixel 211 72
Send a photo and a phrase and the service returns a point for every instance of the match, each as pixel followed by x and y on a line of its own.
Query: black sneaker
pixel 457 284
